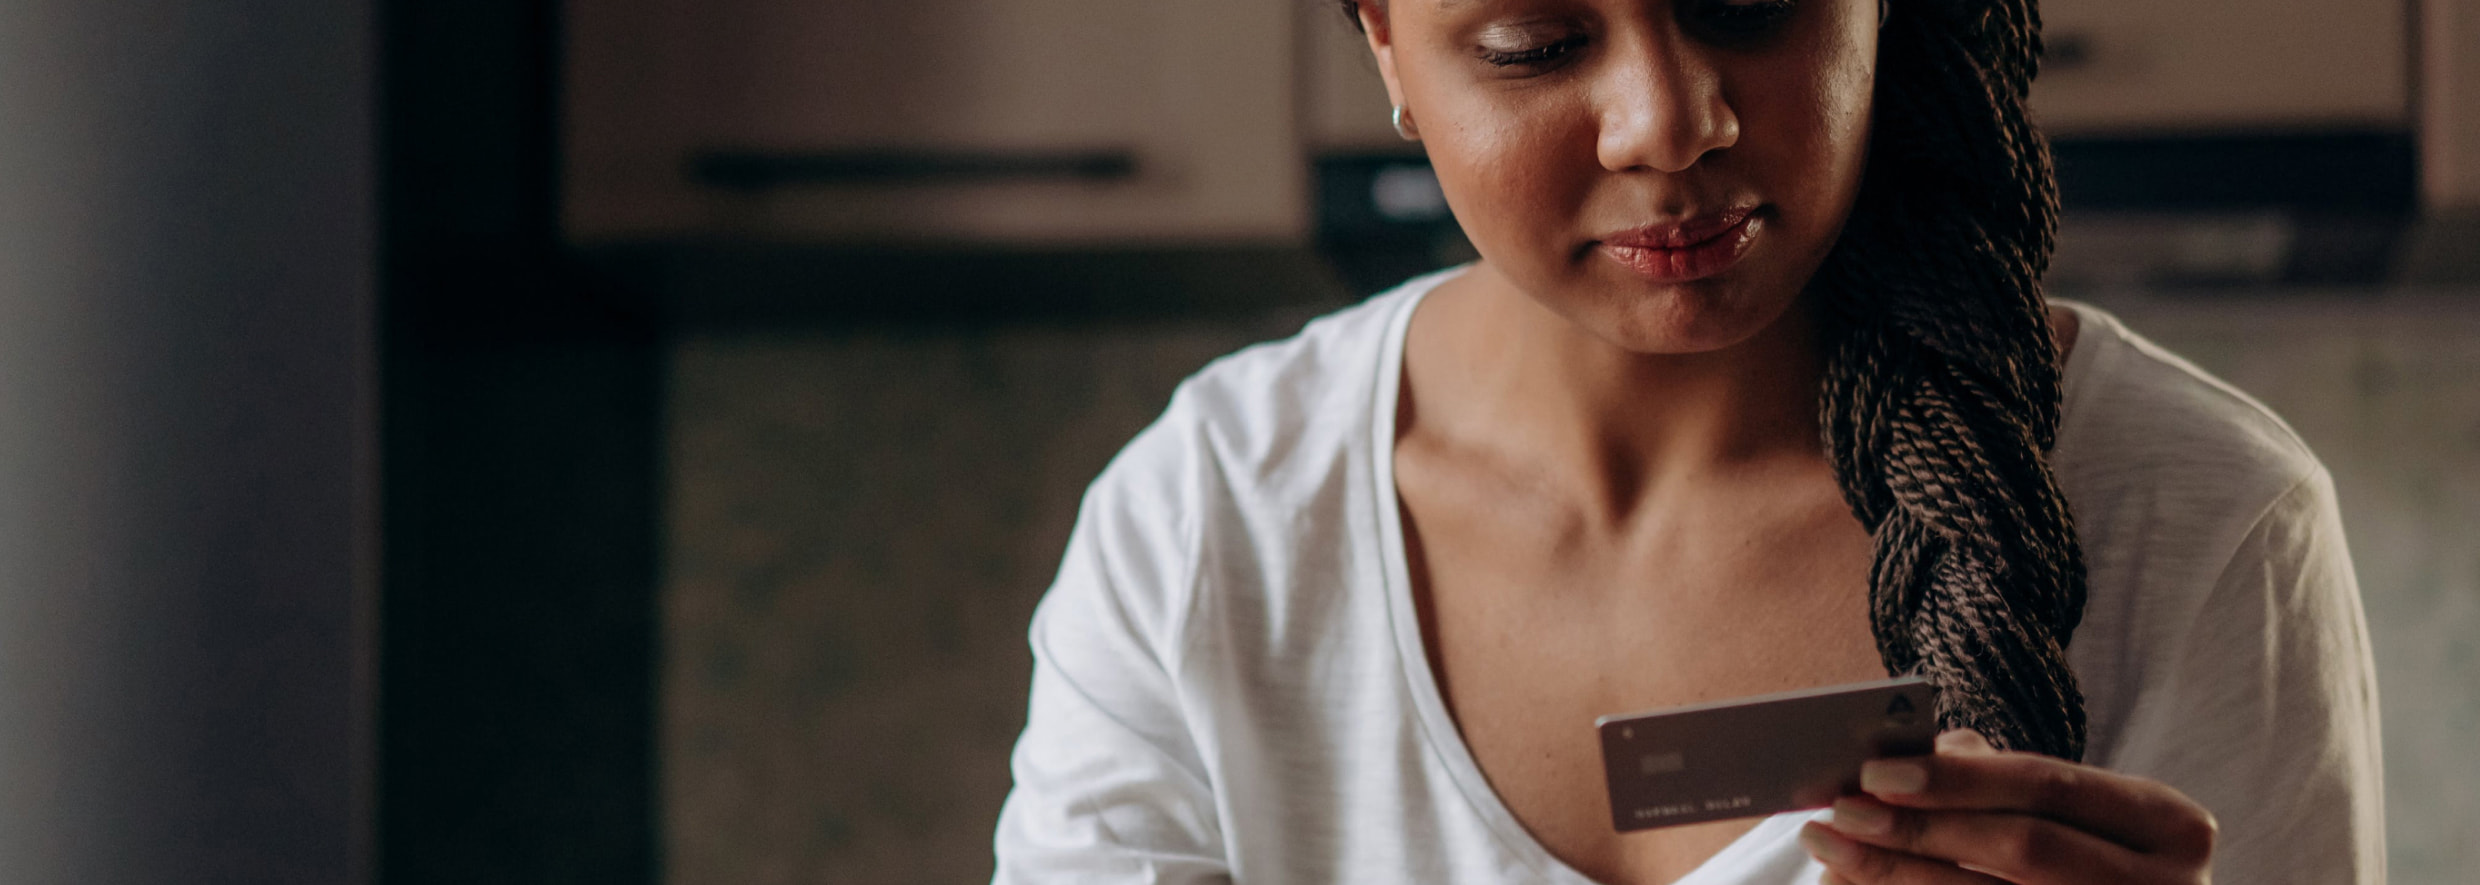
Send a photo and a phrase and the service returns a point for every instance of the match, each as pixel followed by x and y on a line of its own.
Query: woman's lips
pixel 1691 250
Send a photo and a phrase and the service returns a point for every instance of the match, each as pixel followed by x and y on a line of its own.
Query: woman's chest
pixel 1530 637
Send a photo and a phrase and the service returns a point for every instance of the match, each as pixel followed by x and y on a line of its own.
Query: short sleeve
pixel 1109 786
pixel 2271 710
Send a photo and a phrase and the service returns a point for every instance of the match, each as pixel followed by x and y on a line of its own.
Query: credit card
pixel 1759 755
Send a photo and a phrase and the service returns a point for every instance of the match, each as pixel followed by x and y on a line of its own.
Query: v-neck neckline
pixel 1445 740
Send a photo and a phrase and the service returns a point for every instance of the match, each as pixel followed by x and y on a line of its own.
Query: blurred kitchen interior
pixel 922 267
pixel 517 441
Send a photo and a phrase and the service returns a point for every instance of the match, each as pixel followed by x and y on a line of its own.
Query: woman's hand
pixel 1971 813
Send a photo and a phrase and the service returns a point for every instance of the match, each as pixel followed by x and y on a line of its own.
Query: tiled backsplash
pixel 861 522
pixel 860 526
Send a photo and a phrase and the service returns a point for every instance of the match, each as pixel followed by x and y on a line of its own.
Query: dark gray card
pixel 1759 755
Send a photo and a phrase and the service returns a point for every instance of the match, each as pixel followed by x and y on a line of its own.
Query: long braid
pixel 1942 391
pixel 1942 382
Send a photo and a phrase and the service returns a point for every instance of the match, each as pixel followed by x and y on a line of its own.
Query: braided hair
pixel 1941 390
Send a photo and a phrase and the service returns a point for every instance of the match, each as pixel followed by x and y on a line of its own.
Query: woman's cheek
pixel 1807 148
pixel 1844 97
pixel 1513 183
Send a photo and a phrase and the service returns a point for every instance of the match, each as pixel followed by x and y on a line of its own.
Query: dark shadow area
pixel 721 285
pixel 521 464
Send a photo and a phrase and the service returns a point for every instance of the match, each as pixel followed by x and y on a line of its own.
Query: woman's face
pixel 1596 150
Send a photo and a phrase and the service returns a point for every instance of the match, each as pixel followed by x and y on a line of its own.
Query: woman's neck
pixel 1509 376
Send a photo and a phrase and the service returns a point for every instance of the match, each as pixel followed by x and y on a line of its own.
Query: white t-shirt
pixel 1229 683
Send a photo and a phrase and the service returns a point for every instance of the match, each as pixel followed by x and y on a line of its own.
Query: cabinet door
pixel 1195 99
pixel 2134 66
pixel 1344 108
pixel 2450 105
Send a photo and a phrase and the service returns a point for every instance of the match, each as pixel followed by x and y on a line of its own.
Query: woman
pixel 1347 611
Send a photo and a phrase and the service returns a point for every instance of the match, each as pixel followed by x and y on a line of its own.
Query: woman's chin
pixel 1700 317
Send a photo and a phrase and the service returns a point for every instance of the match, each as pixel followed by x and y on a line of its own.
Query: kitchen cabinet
pixel 1343 103
pixel 2449 81
pixel 1017 121
pixel 2146 66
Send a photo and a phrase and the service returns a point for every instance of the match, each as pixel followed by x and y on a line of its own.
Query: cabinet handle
pixel 740 169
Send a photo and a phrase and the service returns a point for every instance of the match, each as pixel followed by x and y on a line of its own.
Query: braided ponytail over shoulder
pixel 1941 390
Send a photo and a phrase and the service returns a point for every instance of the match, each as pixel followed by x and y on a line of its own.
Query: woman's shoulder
pixel 1308 396
pixel 1334 360
pixel 2143 423
pixel 2177 481
pixel 2196 507
pixel 1257 448
pixel 2223 635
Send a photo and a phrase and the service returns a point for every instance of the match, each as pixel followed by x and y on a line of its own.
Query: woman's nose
pixel 1663 109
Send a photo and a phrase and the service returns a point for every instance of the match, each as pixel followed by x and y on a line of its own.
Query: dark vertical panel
pixel 186 251
pixel 521 449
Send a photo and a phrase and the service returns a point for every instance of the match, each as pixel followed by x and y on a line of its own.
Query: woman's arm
pixel 1109 784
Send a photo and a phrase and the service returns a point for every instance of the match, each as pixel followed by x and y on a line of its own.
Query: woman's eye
pixel 1735 21
pixel 1543 55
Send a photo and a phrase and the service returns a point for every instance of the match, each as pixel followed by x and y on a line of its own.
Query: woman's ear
pixel 1381 46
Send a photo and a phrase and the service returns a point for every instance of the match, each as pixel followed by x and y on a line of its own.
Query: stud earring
pixel 1404 127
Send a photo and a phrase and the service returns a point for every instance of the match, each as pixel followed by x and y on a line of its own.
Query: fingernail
pixel 1961 740
pixel 1893 776
pixel 1862 818
pixel 1826 846
pixel 1823 845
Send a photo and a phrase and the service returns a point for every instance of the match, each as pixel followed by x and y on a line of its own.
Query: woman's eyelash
pixel 1718 18
pixel 1729 21
pixel 1537 55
